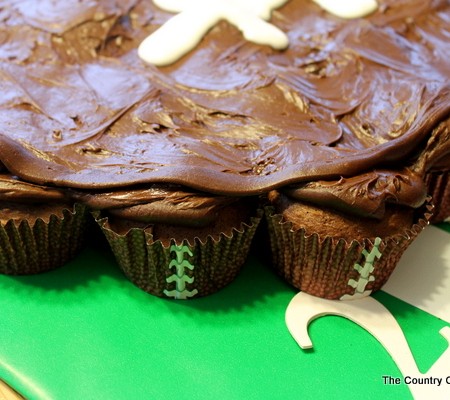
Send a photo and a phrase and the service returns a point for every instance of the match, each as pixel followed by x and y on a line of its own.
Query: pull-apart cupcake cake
pixel 181 127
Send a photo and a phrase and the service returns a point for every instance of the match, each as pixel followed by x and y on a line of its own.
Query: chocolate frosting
pixel 80 110
pixel 157 203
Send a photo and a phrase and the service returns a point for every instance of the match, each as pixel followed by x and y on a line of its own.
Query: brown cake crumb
pixel 328 222
pixel 229 218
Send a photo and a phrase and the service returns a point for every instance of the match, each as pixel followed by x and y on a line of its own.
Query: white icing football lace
pixel 348 8
pixel 182 33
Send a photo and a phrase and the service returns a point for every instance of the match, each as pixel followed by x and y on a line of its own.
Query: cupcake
pixel 40 229
pixel 180 244
pixel 292 101
pixel 332 253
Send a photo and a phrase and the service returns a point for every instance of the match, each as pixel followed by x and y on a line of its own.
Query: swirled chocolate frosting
pixel 345 115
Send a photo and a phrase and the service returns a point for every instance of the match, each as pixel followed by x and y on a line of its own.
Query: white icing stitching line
pixel 184 31
pixel 348 8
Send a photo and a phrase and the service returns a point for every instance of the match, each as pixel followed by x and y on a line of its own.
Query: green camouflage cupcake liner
pixel 181 270
pixel 32 248
pixel 438 184
pixel 330 267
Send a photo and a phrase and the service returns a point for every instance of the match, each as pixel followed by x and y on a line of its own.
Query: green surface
pixel 85 332
pixel 445 226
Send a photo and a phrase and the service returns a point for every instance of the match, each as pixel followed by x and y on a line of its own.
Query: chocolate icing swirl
pixel 80 110
pixel 157 203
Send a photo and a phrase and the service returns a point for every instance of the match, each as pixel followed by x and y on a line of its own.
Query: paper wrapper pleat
pixel 438 184
pixel 331 267
pixel 42 246
pixel 181 270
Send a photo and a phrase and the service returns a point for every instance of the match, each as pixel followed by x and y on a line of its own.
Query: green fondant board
pixel 85 332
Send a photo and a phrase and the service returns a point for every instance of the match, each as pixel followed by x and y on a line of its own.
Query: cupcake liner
pixel 32 248
pixel 438 184
pixel 180 270
pixel 333 268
